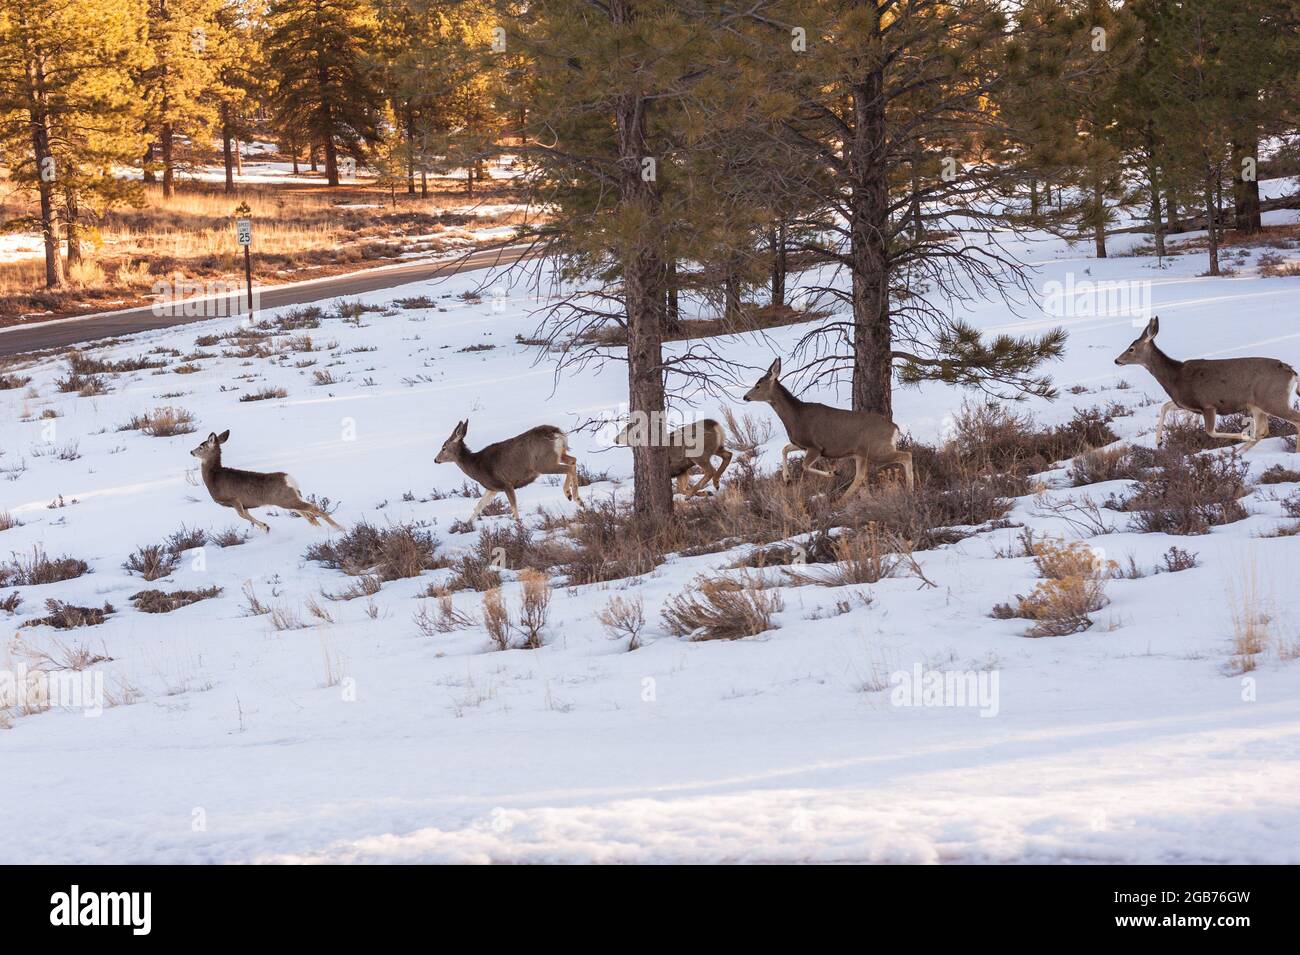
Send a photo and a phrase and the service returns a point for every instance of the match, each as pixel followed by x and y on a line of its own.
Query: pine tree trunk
pixel 72 227
pixel 424 184
pixel 165 139
pixel 1210 223
pixel 779 270
pixel 227 153
pixel 46 173
pixel 410 151
pixel 311 157
pixel 869 264
pixel 146 165
pixel 1033 198
pixel 239 158
pixel 1153 185
pixel 1245 192
pixel 673 316
pixel 731 294
pixel 331 162
pixel 644 304
pixel 1175 221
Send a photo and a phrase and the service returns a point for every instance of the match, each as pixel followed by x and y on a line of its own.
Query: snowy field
pixel 364 740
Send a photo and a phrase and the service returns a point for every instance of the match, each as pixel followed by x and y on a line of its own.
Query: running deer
pixel 1213 387
pixel 690 446
pixel 242 490
pixel 821 431
pixel 513 463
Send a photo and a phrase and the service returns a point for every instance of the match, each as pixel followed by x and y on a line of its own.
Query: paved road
pixel 17 339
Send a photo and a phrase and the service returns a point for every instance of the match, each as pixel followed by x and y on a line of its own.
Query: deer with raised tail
pixel 1211 387
pixel 242 490
pixel 513 463
pixel 821 431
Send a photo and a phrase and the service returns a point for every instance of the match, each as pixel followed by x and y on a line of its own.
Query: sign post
pixel 244 233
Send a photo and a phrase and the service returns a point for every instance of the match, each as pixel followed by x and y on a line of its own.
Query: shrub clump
pixel 65 616
pixel 40 569
pixel 391 553
pixel 722 608
pixel 1188 494
pixel 162 422
pixel 157 601
pixel 1073 586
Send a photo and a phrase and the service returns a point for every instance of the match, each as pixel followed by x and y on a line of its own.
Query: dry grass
pixel 296 226
pixel 624 617
pixel 534 604
pixel 1251 618
pixel 1073 586
pixel 722 608
pixel 8 521
pixel 496 619
pixel 445 619
pixel 162 422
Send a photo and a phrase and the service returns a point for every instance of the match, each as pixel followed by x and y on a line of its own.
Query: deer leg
pixel 482 503
pixel 243 512
pixel 717 475
pixel 1167 407
pixel 311 518
pixel 785 459
pixel 709 474
pixel 681 482
pixel 810 460
pixel 860 468
pixel 570 470
pixel 514 505
pixel 1211 421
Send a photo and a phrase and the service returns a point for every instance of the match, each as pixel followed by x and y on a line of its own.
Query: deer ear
pixel 221 438
pixel 1153 328
pixel 774 370
pixel 462 428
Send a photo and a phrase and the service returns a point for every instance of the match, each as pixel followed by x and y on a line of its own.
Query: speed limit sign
pixel 244 230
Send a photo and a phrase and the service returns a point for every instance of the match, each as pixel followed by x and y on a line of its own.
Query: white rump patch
pixel 293 485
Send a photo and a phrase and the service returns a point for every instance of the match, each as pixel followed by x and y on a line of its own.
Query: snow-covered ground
pixel 1127 743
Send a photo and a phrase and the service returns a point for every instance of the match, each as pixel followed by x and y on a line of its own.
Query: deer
pixel 821 431
pixel 690 446
pixel 1213 387
pixel 242 490
pixel 513 463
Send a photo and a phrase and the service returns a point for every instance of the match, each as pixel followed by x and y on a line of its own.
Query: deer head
pixel 1143 346
pixel 210 449
pixel 454 446
pixel 765 388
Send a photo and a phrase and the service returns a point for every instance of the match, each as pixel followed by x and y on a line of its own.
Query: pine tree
pixel 184 36
pixel 326 82
pixel 67 109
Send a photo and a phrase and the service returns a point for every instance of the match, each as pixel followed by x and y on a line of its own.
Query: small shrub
pixel 721 608
pixel 65 616
pixel 1189 494
pixel 8 382
pixel 446 619
pixel 157 601
pixel 1073 587
pixel 496 619
pixel 11 603
pixel 1176 559
pixel 1129 463
pixel 624 617
pixel 152 561
pixel 162 422
pixel 264 394
pixel 1278 474
pixel 391 553
pixel 40 569
pixel 230 537
pixel 8 521
pixel 534 604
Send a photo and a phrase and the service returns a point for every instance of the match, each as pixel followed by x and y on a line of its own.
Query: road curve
pixel 17 339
